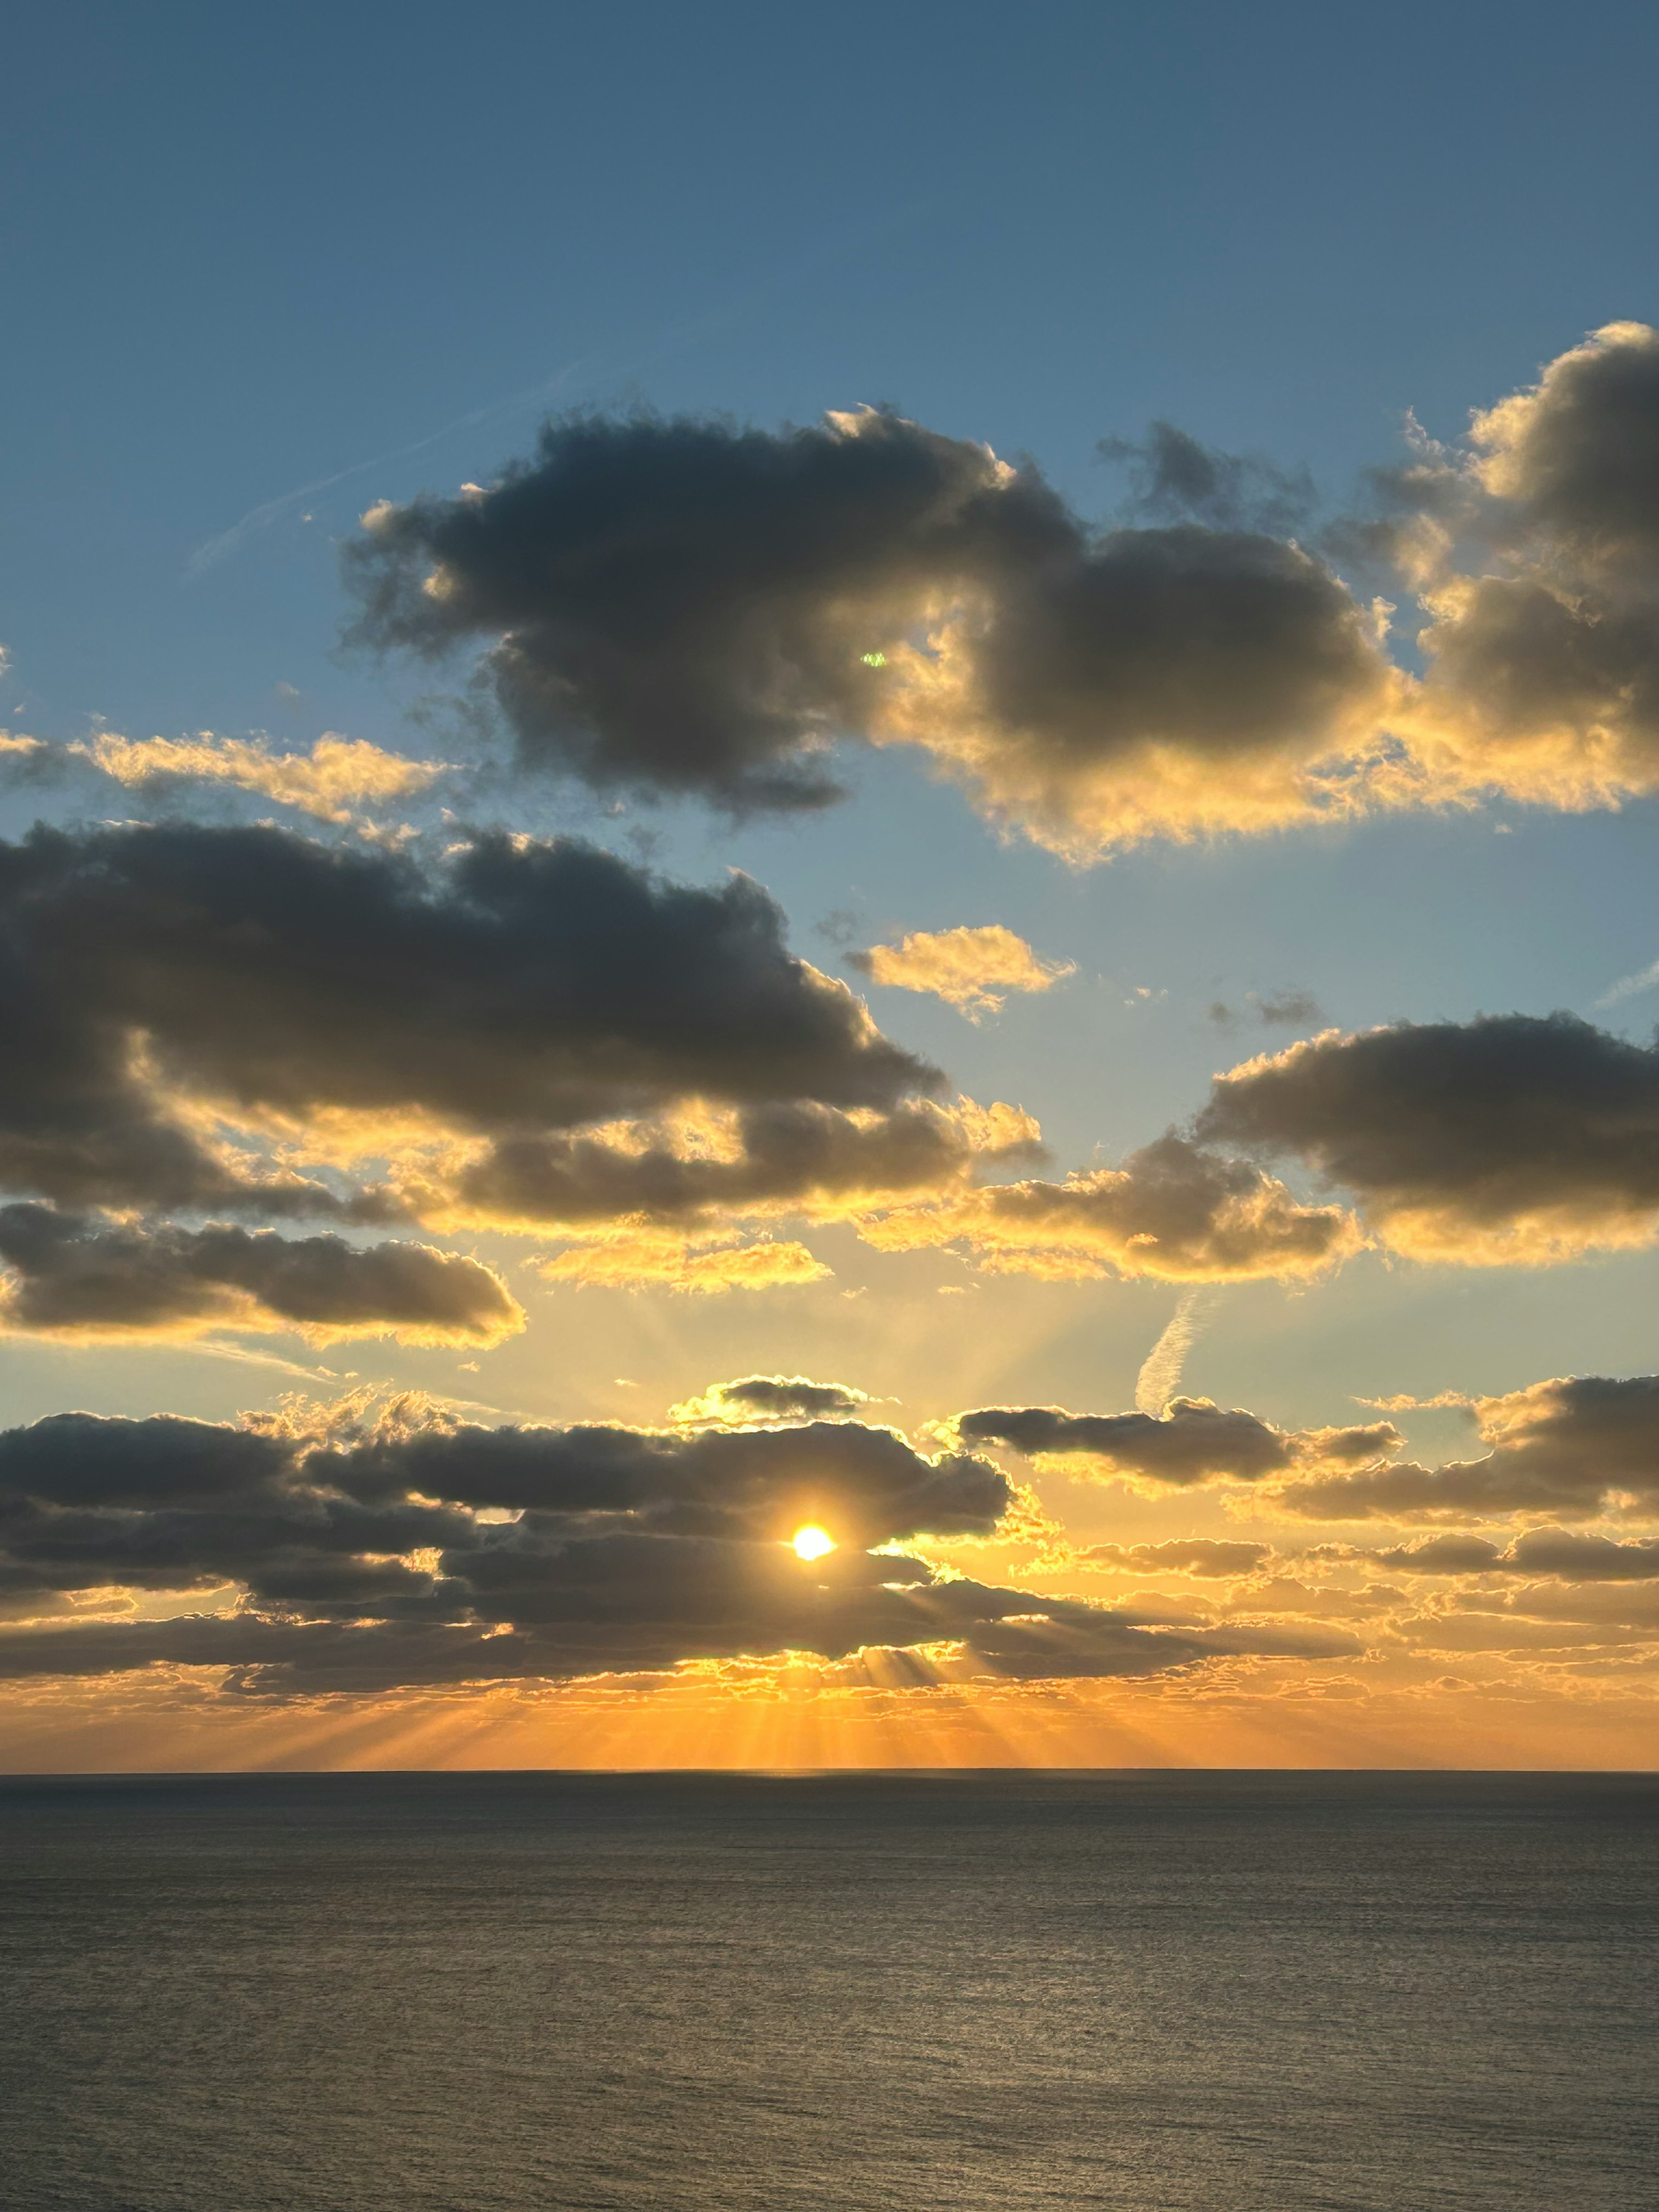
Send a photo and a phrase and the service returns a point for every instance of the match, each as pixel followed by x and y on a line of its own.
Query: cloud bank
pixel 449 1554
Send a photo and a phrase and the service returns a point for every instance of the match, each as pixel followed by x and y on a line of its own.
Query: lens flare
pixel 811 1543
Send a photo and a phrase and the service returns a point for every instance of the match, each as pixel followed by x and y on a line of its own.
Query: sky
pixel 890 773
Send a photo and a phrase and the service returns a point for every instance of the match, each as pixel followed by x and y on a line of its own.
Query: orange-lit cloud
pixel 87 1278
pixel 334 780
pixel 1172 1211
pixel 708 1263
pixel 973 969
pixel 751 1399
pixel 1505 1140
pixel 1574 1447
pixel 1191 1442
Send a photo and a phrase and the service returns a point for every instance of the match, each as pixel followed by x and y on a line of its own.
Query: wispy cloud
pixel 228 542
pixel 1629 986
pixel 1160 1374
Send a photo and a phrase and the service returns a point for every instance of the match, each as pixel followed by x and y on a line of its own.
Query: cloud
pixel 1160 1371
pixel 1629 986
pixel 1577 1445
pixel 333 781
pixel 73 1276
pixel 974 1629
pixel 1558 1553
pixel 148 972
pixel 754 1399
pixel 1534 548
pixel 706 1264
pixel 1506 1139
pixel 971 969
pixel 1201 1556
pixel 1288 1009
pixel 1172 1211
pixel 686 607
pixel 796 1156
pixel 1193 1441
pixel 401 1554
pixel 1173 479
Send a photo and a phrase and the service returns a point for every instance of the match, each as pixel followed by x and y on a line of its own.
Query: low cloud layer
pixel 753 1398
pixel 86 1277
pixel 796 1156
pixel 971 969
pixel 1574 1446
pixel 1172 1211
pixel 1193 1441
pixel 453 1554
pixel 1504 1140
pixel 516 988
pixel 1561 1554
pixel 1207 1558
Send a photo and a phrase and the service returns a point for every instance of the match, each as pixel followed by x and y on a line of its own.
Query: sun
pixel 811 1543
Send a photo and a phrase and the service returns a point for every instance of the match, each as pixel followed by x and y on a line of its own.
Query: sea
pixel 1154 1992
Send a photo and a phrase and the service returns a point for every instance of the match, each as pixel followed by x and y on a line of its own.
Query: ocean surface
pixel 1159 1992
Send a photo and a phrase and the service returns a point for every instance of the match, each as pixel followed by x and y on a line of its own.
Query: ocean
pixel 1152 1992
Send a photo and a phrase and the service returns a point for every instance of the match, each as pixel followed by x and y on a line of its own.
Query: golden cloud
pixel 1172 1211
pixel 334 779
pixel 636 1259
pixel 972 970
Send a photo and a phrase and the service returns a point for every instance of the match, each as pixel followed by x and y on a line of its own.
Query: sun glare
pixel 812 1543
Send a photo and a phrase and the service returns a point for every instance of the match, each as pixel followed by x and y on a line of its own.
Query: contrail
pixel 1160 1374
pixel 678 337
pixel 1629 986
pixel 258 517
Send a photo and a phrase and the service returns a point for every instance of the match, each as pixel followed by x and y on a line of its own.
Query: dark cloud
pixel 1011 1634
pixel 684 605
pixel 1534 548
pixel 771 1398
pixel 1174 479
pixel 1172 1210
pixel 798 1154
pixel 864 1486
pixel 1205 1556
pixel 1509 1138
pixel 1575 1446
pixel 1286 1009
pixel 1445 1555
pixel 1193 1442
pixel 516 988
pixel 1562 1554
pixel 72 1275
pixel 450 1555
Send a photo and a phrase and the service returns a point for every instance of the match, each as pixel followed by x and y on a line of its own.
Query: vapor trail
pixel 258 517
pixel 1160 1374
pixel 678 337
